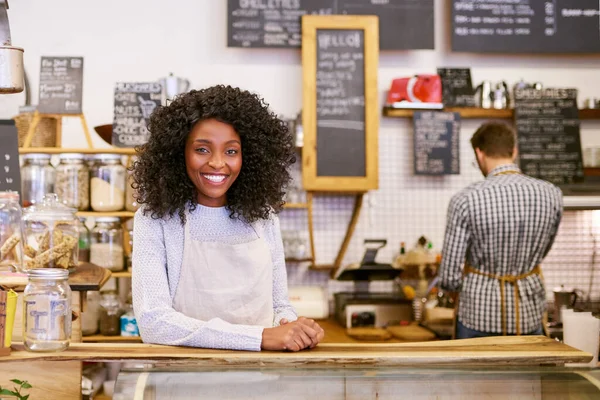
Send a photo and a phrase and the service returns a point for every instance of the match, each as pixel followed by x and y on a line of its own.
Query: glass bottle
pixel 73 181
pixel 106 249
pixel 84 240
pixel 11 232
pixel 47 310
pixel 50 235
pixel 131 203
pixel 37 178
pixel 107 183
pixel 110 314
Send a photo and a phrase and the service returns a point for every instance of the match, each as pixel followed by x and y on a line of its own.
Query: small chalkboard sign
pixel 10 172
pixel 436 143
pixel 457 87
pixel 549 143
pixel 340 115
pixel 134 102
pixel 404 24
pixel 61 85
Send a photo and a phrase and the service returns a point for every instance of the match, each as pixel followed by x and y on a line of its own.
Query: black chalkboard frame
pixel 310 178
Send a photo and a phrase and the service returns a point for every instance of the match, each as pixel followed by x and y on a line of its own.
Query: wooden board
pixel 414 333
pixel 482 113
pixel 491 351
pixel 51 380
pixel 372 334
pixel 85 277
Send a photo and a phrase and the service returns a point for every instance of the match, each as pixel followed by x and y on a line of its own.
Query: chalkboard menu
pixel 134 102
pixel 61 85
pixel 404 24
pixel 10 172
pixel 457 87
pixel 526 26
pixel 436 143
pixel 340 102
pixel 548 134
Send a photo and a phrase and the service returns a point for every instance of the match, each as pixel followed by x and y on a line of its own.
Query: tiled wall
pixel 408 206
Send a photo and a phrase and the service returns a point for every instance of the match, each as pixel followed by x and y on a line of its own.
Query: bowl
pixel 105 132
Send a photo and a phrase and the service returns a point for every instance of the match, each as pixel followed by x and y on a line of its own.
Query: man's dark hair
pixel 495 139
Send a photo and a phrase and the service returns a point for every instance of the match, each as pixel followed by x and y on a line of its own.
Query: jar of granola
pixel 73 181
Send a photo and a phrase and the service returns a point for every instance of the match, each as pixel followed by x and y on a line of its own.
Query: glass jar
pixel 84 241
pixel 131 203
pixel 11 232
pixel 108 178
pixel 50 235
pixel 37 178
pixel 47 310
pixel 73 181
pixel 91 316
pixel 106 249
pixel 110 314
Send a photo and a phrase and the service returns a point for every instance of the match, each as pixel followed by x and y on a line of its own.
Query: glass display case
pixel 139 382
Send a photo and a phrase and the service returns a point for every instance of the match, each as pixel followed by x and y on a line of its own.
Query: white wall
pixel 143 40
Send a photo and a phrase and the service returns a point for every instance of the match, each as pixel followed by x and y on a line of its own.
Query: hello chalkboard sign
pixel 10 172
pixel 508 26
pixel 340 112
pixel 436 143
pixel 134 102
pixel 61 85
pixel 403 24
pixel 549 143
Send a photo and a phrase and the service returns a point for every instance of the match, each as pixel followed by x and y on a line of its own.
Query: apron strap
pixel 512 279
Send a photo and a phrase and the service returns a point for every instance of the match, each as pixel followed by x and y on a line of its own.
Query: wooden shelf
pixel 591 171
pixel 296 205
pixel 61 150
pixel 322 267
pixel 299 260
pixel 102 338
pixel 121 274
pixel 481 113
pixel 95 214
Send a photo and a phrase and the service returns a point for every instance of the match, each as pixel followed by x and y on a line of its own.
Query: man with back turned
pixel 497 233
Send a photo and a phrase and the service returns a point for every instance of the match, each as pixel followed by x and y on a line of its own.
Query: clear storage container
pixel 50 235
pixel 107 188
pixel 11 232
pixel 85 238
pixel 106 249
pixel 73 181
pixel 47 310
pixel 110 314
pixel 37 178
pixel 131 203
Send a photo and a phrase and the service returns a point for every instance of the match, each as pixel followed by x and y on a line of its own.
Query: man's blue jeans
pixel 462 332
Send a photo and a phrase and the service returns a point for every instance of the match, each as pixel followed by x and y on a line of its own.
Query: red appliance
pixel 419 91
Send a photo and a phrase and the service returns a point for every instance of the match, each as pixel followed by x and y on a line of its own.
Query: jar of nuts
pixel 73 181
pixel 50 235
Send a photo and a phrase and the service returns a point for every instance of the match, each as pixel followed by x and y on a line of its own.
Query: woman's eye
pixel 231 152
pixel 202 150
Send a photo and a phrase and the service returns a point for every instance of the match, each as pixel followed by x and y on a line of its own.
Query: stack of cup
pixel 581 330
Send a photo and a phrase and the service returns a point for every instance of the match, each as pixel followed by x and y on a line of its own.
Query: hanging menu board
pixel 457 87
pixel 134 103
pixel 548 134
pixel 10 172
pixel 404 24
pixel 340 111
pixel 436 143
pixel 61 85
pixel 526 26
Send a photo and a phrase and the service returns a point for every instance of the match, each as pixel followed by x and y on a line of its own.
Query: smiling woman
pixel 208 261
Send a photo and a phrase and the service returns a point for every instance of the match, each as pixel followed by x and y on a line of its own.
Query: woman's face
pixel 213 159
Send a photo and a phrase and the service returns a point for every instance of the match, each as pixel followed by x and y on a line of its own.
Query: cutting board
pixel 412 333
pixel 369 334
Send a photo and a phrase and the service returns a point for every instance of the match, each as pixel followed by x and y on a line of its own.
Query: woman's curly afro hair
pixel 160 176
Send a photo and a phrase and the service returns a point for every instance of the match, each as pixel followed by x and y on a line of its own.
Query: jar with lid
pixel 37 178
pixel 91 316
pixel 11 232
pixel 108 177
pixel 106 249
pixel 131 203
pixel 47 310
pixel 50 235
pixel 85 237
pixel 110 314
pixel 73 181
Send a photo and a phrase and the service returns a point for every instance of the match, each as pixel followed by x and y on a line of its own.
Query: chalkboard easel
pixel 37 116
pixel 340 112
